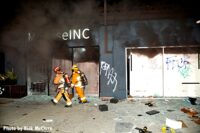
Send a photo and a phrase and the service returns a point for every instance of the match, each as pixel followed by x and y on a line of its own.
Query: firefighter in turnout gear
pixel 62 82
pixel 78 84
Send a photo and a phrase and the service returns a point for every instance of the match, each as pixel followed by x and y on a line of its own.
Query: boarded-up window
pixel 171 72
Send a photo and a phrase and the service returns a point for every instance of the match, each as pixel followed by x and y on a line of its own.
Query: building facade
pixel 124 47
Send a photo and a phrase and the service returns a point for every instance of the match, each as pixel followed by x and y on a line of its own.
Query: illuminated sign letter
pixel 65 36
pixel 70 34
pixel 83 33
pixel 75 34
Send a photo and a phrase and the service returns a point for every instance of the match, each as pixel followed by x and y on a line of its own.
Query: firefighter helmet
pixel 56 69
pixel 75 68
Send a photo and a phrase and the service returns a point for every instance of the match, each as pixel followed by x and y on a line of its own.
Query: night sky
pixel 19 18
pixel 10 9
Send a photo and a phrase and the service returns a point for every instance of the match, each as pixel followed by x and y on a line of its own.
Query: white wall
pixel 181 74
pixel 146 75
pixel 164 74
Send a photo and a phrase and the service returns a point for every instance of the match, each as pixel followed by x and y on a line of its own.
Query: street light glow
pixel 198 21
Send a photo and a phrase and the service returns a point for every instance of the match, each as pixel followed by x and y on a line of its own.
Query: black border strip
pixel 190 83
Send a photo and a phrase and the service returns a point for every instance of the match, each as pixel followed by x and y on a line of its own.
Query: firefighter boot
pixel 81 95
pixel 57 97
pixel 68 101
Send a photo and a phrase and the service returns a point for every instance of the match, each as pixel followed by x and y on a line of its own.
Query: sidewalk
pixel 37 114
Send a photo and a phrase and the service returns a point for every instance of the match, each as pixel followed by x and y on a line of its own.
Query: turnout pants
pixel 62 93
pixel 80 92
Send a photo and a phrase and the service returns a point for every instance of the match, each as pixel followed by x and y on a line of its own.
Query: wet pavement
pixel 36 113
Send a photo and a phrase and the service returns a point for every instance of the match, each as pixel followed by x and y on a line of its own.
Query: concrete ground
pixel 37 114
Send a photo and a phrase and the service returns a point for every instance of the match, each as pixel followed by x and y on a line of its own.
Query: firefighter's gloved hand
pixel 72 85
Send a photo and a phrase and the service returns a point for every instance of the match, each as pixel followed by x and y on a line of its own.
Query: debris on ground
pixel 129 96
pixel 152 112
pixel 150 104
pixel 183 124
pixel 165 129
pixel 106 98
pixel 114 100
pixel 143 130
pixel 170 110
pixel 173 124
pixel 191 112
pixel 197 121
pixel 192 100
pixel 166 100
pixel 103 107
pixel 24 114
pixel 47 120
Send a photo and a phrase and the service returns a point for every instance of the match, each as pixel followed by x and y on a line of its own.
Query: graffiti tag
pixel 110 74
pixel 1 90
pixel 181 64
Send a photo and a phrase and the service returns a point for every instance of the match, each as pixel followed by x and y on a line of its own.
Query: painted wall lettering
pixel 181 64
pixel 1 90
pixel 76 34
pixel 110 74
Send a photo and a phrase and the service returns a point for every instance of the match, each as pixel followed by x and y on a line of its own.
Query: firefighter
pixel 78 84
pixel 62 82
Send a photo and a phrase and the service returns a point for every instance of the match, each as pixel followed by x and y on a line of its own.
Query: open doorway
pixel 87 59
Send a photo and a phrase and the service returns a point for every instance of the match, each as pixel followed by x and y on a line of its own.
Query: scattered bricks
pixel 192 113
pixel 197 121
pixel 103 107
pixel 189 111
pixel 114 100
pixel 184 110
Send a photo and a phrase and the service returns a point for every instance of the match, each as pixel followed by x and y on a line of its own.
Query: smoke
pixel 34 32
pixel 33 35
pixel 38 23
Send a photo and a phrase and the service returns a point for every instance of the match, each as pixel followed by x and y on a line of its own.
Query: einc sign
pixel 74 34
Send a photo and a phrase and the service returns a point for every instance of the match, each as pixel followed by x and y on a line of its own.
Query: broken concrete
pixel 37 110
pixel 123 127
